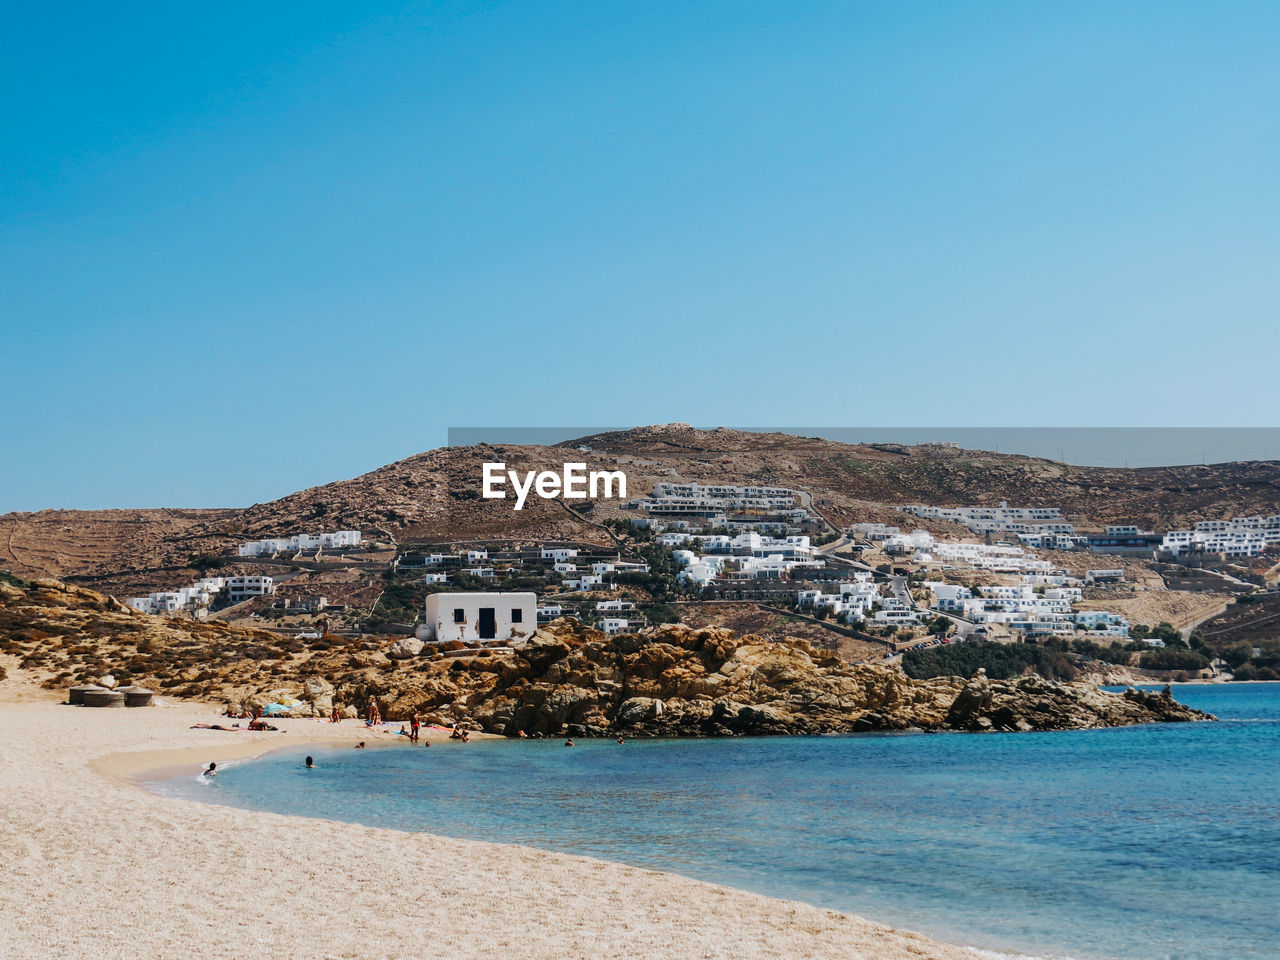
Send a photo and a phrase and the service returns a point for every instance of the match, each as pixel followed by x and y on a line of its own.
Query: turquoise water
pixel 1159 841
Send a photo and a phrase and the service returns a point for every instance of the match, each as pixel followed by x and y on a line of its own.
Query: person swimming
pixel 310 763
pixel 212 771
pixel 569 742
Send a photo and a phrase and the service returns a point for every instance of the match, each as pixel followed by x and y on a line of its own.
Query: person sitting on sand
pixel 310 763
pixel 402 731
pixel 212 771
pixel 360 745
pixel 335 717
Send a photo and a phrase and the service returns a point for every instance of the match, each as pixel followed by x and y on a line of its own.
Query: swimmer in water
pixel 310 763
pixel 212 771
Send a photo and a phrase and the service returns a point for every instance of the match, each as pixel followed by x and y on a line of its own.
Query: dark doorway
pixel 488 624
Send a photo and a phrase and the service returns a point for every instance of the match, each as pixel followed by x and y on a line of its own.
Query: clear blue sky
pixel 248 248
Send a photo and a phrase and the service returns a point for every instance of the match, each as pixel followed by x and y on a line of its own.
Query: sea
pixel 1154 842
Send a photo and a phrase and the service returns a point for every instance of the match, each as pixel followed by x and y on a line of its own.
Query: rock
pixel 107 680
pixel 973 699
pixel 637 709
pixel 405 648
pixel 318 686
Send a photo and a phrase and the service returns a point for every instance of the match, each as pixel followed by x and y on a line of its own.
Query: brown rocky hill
pixel 435 496
pixel 669 680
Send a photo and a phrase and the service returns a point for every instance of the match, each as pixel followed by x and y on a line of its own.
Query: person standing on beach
pixel 414 726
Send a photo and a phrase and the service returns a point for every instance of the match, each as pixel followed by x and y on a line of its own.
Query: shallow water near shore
pixel 1141 843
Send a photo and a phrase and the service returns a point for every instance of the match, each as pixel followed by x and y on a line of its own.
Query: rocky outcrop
pixel 674 681
pixel 1033 703
pixel 666 681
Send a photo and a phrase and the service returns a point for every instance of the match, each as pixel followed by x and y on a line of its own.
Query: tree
pixel 1172 659
pixel 940 625
pixel 1237 654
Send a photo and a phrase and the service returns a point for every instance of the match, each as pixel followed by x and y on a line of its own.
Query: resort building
pixel 245 588
pixel 1001 519
pixel 302 541
pixel 1125 539
pixel 1237 537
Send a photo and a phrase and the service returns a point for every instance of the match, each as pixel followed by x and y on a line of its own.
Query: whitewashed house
pixel 509 617
pixel 559 554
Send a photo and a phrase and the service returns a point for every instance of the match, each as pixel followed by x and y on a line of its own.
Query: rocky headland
pixel 569 679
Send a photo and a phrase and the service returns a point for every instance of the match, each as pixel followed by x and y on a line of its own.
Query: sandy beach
pixel 93 866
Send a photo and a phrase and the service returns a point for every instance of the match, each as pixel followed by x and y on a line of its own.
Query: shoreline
pixel 115 870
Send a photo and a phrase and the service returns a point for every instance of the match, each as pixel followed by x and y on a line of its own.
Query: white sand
pixel 91 866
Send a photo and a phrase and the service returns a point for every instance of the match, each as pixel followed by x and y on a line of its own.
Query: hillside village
pixel 709 553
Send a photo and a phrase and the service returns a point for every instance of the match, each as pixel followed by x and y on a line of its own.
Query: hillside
pixel 435 496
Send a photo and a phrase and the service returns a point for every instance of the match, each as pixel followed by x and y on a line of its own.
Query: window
pixel 458 615
pixel 517 616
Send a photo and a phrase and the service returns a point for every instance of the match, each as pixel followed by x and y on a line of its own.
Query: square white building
pixel 510 617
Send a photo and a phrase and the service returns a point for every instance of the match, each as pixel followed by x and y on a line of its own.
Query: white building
pixel 303 541
pixel 997 558
pixel 242 588
pixel 949 597
pixel 583 584
pixel 559 554
pixel 614 606
pixel 1238 536
pixel 549 612
pixel 1101 623
pixel 510 617
pixel 713 500
pixel 195 597
pixel 1001 519
pixel 612 625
